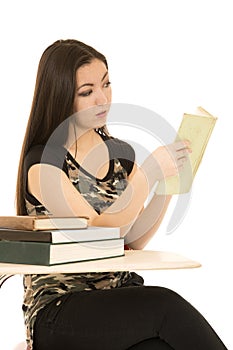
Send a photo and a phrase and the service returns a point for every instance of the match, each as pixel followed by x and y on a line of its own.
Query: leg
pixel 119 318
pixel 151 344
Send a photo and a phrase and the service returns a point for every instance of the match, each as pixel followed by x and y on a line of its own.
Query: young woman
pixel 70 165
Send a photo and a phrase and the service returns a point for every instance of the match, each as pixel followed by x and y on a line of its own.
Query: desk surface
pixel 133 260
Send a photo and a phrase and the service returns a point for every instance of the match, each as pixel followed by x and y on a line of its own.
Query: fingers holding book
pixel 183 150
pixel 171 158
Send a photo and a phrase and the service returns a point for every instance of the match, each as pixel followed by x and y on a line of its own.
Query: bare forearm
pixel 128 206
pixel 148 222
pixel 158 165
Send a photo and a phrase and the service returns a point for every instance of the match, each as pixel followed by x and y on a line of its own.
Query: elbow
pixel 110 220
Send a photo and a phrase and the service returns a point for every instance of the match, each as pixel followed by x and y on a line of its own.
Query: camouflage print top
pixel 42 289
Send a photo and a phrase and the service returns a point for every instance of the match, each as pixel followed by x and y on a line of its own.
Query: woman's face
pixel 93 95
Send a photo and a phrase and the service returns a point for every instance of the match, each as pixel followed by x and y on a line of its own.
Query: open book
pixel 196 128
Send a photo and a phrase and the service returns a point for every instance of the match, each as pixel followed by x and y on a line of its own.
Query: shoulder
pixel 41 154
pixel 121 146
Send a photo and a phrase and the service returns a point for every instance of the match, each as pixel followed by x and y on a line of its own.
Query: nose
pixel 101 97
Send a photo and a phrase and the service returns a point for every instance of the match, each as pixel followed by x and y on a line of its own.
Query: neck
pixel 84 140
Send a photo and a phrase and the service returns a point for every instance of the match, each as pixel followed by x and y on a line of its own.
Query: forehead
pixel 91 72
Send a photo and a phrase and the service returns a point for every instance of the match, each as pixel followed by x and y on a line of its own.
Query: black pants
pixel 133 318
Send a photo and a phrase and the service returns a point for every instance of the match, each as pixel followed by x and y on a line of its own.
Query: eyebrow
pixel 89 84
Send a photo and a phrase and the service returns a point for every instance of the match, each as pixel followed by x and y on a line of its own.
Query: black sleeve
pixel 44 155
pixel 123 151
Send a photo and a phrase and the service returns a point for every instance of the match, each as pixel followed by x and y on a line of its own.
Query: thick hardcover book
pixel 197 128
pixel 91 233
pixel 36 253
pixel 42 222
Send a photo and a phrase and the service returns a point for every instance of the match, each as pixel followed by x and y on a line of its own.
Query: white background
pixel 168 56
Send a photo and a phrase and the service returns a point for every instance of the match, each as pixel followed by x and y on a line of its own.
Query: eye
pixel 107 84
pixel 85 93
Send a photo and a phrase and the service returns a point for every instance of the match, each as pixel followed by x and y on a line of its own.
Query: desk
pixel 133 260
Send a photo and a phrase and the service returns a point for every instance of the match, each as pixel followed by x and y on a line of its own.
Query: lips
pixel 101 114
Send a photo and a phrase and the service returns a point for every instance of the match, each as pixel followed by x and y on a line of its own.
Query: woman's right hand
pixel 170 159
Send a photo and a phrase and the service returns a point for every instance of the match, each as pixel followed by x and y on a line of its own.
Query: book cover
pixel 60 236
pixel 47 254
pixel 197 128
pixel 42 222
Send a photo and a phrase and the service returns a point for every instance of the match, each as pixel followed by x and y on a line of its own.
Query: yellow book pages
pixel 196 128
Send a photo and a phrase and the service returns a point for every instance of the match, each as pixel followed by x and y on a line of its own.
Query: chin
pixel 100 124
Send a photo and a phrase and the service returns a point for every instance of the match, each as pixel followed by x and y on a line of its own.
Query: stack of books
pixel 45 240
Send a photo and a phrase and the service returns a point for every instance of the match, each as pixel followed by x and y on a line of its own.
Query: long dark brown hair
pixel 53 98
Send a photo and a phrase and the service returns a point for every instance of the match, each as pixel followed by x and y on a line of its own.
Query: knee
pixel 169 297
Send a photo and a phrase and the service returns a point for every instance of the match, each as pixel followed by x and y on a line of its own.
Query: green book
pixel 40 253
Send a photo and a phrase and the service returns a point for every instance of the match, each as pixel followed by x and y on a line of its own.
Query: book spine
pixel 25 236
pixel 24 253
